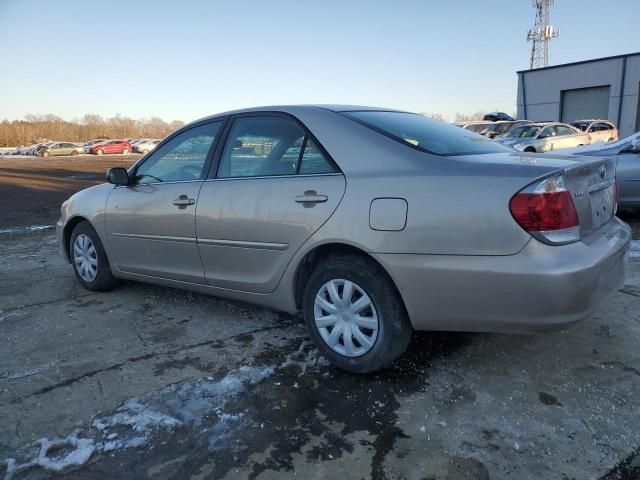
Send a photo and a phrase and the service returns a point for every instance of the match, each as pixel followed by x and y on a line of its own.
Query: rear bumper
pixel 542 287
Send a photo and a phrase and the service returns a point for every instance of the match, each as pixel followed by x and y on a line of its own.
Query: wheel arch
pixel 310 260
pixel 67 231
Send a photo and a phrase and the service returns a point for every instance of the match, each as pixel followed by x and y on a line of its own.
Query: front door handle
pixel 183 201
pixel 311 196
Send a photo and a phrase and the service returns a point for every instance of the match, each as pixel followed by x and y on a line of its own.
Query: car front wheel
pixel 355 315
pixel 89 259
pixel 99 151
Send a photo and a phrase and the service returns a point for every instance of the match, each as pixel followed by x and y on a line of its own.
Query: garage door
pixel 585 103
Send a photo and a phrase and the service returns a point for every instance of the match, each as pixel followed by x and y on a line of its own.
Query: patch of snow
pixel 29 229
pixel 30 372
pixel 81 451
pixel 136 421
pixel 140 418
pixel 305 358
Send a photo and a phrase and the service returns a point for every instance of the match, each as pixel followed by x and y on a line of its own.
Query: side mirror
pixel 118 176
pixel 635 143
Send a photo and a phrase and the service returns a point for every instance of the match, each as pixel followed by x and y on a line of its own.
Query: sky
pixel 181 60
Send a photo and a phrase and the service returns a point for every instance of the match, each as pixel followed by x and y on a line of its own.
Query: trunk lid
pixel 592 186
pixel 591 180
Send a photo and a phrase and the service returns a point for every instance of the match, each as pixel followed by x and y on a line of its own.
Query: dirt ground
pixel 150 382
pixel 34 187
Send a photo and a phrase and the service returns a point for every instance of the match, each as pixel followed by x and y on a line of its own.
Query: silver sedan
pixel 544 137
pixel 371 222
pixel 626 154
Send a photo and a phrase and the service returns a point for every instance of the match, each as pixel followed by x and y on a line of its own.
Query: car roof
pixel 591 120
pixel 292 109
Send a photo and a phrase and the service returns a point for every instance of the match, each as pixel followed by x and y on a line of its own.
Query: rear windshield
pixel 581 125
pixel 426 134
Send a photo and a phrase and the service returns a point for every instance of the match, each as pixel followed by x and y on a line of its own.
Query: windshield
pixel 524 131
pixel 426 134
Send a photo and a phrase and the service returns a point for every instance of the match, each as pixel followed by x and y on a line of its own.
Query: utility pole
pixel 541 34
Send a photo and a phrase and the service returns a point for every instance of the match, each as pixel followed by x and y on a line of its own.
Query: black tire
pixel 104 279
pixel 394 328
pixel 530 150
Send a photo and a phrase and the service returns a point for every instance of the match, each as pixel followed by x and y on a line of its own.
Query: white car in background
pixel 598 130
pixel 145 146
pixel 544 137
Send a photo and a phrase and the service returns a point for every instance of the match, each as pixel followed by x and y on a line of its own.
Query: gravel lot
pixel 149 382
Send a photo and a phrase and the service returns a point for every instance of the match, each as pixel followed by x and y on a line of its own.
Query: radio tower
pixel 541 35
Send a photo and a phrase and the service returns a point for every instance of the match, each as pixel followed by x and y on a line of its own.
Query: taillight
pixel 546 210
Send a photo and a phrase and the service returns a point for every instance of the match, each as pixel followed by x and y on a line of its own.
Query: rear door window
pixel 563 131
pixel 266 145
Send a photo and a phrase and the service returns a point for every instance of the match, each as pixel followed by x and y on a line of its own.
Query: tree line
pixel 40 128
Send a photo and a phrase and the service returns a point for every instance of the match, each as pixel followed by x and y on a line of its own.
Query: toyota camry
pixel 371 222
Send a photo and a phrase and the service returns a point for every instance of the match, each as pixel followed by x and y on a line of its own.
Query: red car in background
pixel 111 146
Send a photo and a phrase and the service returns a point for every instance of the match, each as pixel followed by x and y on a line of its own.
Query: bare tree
pixel 469 117
pixel 37 128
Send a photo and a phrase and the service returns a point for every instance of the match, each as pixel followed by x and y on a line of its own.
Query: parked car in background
pixel 474 126
pixel 599 130
pixel 111 146
pixel 34 148
pixel 344 237
pixel 499 128
pixel 145 146
pixel 23 150
pixel 91 143
pixel 497 116
pixel 544 137
pixel 59 148
pixel 626 154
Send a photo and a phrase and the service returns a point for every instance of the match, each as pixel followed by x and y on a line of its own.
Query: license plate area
pixel 602 205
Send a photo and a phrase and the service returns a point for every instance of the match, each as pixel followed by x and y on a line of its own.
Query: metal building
pixel 603 88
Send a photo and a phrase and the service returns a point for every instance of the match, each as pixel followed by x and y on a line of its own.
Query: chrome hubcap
pixel 85 258
pixel 346 318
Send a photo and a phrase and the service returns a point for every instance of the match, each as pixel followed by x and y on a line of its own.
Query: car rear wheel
pixel 99 151
pixel 74 152
pixel 89 260
pixel 45 154
pixel 355 315
pixel 530 149
pixel 610 140
pixel 125 151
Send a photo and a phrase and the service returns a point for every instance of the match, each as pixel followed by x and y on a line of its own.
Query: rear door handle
pixel 311 196
pixel 183 201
